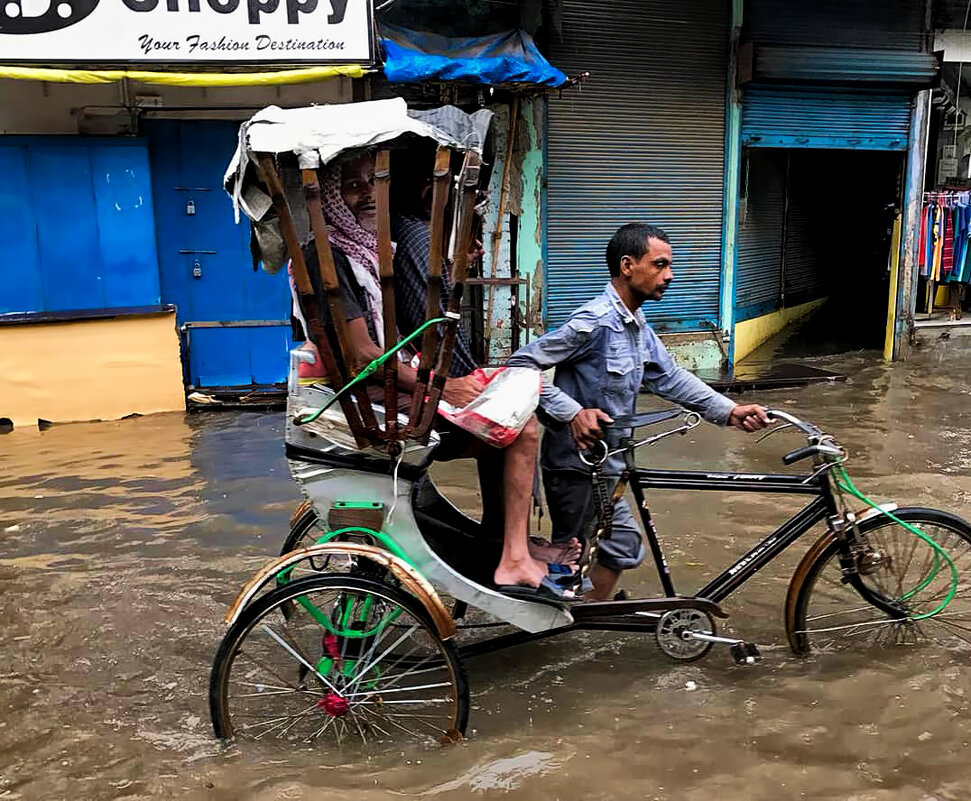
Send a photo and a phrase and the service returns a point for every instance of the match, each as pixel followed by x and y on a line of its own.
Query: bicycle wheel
pixel 351 660
pixel 827 611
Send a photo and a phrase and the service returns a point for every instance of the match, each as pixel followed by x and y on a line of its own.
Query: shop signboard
pixel 177 33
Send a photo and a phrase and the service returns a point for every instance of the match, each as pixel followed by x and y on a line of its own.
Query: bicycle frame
pixel 822 506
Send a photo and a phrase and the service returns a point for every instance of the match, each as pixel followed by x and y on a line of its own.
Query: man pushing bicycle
pixel 603 355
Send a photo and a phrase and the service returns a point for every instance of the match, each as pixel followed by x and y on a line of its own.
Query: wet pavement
pixel 123 543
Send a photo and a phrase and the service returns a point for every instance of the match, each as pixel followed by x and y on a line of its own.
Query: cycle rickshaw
pixel 351 633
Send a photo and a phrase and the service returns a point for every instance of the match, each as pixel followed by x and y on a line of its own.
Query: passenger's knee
pixel 530 432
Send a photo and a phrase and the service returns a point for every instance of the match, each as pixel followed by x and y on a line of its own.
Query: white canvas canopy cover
pixel 318 134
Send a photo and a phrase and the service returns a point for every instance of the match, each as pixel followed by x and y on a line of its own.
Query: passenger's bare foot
pixel 525 573
pixel 560 553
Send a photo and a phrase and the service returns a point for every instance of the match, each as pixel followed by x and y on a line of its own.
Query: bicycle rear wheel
pixel 337 659
pixel 826 611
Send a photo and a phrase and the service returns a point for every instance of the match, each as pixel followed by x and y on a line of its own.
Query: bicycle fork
pixel 858 559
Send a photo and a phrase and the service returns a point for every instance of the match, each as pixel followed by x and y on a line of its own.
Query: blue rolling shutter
pixel 643 140
pixel 77 228
pixel 796 117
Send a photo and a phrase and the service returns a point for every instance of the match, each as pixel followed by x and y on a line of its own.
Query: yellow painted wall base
pixel 90 369
pixel 749 334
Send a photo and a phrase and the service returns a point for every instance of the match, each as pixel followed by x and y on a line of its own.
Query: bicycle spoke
pixel 409 732
pixel 294 718
pixel 357 724
pixel 370 722
pixel 955 628
pixel 302 660
pixel 418 701
pixel 422 719
pixel 321 730
pixel 262 666
pixel 370 665
pixel 398 690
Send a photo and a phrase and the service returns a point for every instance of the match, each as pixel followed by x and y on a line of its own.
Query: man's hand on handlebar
pixel 586 427
pixel 750 417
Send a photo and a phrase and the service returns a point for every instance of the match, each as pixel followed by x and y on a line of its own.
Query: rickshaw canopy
pixel 319 134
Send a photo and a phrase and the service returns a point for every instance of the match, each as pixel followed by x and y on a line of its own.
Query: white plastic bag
pixel 498 414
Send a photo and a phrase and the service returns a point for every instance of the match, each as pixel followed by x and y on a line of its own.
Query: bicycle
pixel 374 646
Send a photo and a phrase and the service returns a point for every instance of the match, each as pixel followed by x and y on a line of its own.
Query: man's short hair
pixel 631 240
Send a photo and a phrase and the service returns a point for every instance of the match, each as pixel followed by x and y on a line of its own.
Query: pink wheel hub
pixel 334 705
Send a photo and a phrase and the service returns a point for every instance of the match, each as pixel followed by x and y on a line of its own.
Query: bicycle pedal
pixel 746 653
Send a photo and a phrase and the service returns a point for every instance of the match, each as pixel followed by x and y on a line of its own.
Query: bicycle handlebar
pixel 820 444
pixel 800 453
pixel 807 428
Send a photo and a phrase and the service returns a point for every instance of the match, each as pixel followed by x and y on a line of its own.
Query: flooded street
pixel 124 542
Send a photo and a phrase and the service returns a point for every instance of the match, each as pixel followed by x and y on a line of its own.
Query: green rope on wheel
pixel 844 483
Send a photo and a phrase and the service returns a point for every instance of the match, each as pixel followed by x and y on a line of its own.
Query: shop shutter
pixel 77 229
pixel 849 119
pixel 806 217
pixel 888 24
pixel 643 139
pixel 758 286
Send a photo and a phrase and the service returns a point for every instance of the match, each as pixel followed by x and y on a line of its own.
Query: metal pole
pixel 733 137
pixel 913 195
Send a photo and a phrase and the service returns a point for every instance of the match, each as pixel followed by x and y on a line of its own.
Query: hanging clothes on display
pixel 961 271
pixel 944 237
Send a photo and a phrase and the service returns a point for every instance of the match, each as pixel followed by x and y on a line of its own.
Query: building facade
pixel 780 144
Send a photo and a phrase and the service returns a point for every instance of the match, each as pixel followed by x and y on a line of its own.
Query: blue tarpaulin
pixel 510 57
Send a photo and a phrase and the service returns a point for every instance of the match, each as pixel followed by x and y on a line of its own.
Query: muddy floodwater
pixel 124 542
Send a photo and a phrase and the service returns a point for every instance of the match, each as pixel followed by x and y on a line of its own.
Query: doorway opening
pixel 814 257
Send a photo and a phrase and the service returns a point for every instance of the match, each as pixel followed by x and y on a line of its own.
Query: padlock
pixel 190 208
pixel 197 270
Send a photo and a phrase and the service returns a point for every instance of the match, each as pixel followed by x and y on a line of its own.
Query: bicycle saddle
pixel 643 419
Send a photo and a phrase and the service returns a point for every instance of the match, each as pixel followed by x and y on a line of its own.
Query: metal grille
pixel 821 118
pixel 890 24
pixel 643 140
pixel 760 234
pixel 801 279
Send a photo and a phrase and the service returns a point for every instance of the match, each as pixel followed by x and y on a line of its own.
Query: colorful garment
pixel 947 247
pixel 922 241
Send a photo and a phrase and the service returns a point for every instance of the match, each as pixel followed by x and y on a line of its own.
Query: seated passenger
pixel 347 194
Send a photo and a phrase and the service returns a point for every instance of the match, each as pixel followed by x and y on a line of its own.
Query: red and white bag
pixel 498 414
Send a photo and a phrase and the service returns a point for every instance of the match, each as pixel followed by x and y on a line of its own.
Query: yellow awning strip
pixel 304 75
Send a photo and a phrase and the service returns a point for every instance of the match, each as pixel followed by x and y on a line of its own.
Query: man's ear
pixel 626 262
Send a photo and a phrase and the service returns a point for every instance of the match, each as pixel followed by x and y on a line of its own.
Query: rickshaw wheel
pixel 352 662
pixel 306 526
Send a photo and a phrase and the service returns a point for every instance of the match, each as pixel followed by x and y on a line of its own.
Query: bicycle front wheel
pixel 335 660
pixel 827 610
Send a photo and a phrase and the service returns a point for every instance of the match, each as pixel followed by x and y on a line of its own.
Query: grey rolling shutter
pixel 888 24
pixel 758 287
pixel 644 139
pixel 801 274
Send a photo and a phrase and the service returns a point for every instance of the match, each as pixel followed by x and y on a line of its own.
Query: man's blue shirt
pixel 603 355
